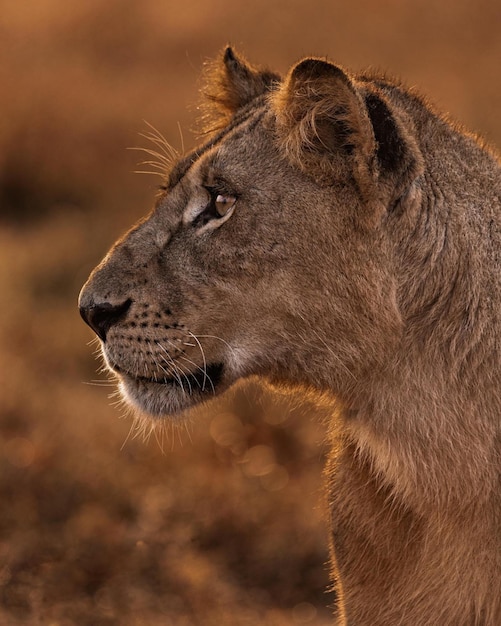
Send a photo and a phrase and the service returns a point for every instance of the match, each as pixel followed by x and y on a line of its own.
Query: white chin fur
pixel 157 401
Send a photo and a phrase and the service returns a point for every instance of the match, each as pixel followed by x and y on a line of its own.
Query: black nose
pixel 101 317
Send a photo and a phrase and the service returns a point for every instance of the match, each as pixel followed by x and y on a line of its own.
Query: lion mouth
pixel 169 394
pixel 203 380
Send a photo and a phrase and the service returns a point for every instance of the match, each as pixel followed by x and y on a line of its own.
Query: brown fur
pixel 338 234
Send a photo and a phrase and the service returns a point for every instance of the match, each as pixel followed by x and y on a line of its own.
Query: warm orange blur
pixel 225 526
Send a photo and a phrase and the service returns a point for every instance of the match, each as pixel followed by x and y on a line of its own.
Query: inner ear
pixel 230 84
pixel 391 147
pixel 398 156
pixel 333 135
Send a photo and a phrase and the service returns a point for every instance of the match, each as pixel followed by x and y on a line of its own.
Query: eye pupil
pixel 223 204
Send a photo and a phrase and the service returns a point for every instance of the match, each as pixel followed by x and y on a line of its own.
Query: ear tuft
pixel 229 55
pixel 231 85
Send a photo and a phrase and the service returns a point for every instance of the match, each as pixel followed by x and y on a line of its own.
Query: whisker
pixel 159 440
pixel 95 341
pixel 167 373
pixel 167 151
pixel 203 372
pixel 174 372
pixel 153 164
pixel 179 367
pixel 187 425
pixel 219 339
pixel 188 361
pixel 181 136
pixel 149 173
pixel 163 158
pixel 203 358
pixel 99 383
pixel 172 363
pixel 132 426
pixel 163 141
pixel 178 430
pixel 195 365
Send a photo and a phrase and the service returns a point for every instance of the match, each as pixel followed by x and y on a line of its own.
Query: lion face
pixel 264 243
pixel 183 286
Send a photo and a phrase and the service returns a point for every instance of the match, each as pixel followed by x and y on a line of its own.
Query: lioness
pixel 336 233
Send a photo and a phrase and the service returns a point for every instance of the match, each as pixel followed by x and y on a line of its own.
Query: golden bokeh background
pixel 226 523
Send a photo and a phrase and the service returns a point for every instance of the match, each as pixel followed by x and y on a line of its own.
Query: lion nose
pixel 102 316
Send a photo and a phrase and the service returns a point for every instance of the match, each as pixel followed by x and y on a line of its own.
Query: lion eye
pixel 223 204
pixel 219 208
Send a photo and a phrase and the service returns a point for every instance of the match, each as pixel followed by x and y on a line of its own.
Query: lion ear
pixel 230 84
pixel 332 126
pixel 323 123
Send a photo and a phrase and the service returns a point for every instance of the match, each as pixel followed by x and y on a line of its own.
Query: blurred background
pixel 224 522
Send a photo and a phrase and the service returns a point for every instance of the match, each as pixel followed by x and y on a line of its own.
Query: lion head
pixel 267 252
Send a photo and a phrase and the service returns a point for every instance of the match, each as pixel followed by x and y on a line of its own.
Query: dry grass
pixel 226 525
